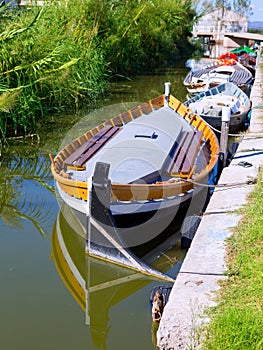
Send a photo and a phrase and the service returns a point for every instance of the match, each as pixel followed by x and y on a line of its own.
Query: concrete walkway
pixel 204 265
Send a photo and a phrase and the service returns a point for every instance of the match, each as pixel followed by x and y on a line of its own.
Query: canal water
pixel 52 295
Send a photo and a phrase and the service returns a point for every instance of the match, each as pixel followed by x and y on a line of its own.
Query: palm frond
pixel 30 204
pixel 49 59
pixel 35 210
pixel 10 217
pixel 36 169
pixel 64 66
pixel 36 213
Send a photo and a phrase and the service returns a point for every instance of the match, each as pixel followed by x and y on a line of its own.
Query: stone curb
pixel 204 265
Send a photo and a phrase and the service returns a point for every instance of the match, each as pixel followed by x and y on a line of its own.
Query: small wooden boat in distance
pixel 225 69
pixel 157 153
pixel 209 106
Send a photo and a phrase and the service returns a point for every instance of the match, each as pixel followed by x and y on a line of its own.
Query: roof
pixel 245 35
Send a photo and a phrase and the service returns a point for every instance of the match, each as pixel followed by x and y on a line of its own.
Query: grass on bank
pixel 237 321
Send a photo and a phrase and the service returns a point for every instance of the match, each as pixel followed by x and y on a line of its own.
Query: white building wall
pixel 215 24
pixel 222 21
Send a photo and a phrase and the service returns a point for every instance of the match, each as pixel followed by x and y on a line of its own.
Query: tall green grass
pixel 237 321
pixel 62 55
pixel 49 60
pixel 142 35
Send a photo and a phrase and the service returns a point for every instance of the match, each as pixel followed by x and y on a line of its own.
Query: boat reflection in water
pixel 95 284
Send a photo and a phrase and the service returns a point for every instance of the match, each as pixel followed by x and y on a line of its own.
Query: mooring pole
pixel 167 92
pixel 224 134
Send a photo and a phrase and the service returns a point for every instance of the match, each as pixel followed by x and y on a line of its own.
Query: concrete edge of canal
pixel 204 265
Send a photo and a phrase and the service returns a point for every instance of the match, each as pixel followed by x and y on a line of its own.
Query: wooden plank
pixel 182 154
pixel 192 153
pixel 175 152
pixel 82 149
pixel 126 117
pixel 96 146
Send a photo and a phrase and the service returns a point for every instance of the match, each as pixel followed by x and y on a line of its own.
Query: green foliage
pixel 223 4
pixel 51 57
pixel 242 7
pixel 255 30
pixel 62 54
pixel 141 35
pixel 237 322
pixel 21 177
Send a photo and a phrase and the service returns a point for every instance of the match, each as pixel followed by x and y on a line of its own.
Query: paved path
pixel 204 265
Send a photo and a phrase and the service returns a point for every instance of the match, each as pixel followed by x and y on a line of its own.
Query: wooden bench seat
pixel 183 154
pixel 78 158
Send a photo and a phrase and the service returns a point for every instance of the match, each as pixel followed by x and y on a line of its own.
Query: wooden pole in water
pixel 224 133
pixel 167 92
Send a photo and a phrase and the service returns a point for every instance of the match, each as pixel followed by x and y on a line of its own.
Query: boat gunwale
pixel 127 192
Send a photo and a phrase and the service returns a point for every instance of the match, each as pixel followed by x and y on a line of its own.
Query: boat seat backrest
pixel 183 155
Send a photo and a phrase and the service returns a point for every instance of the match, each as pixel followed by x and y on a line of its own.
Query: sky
pixel 258 10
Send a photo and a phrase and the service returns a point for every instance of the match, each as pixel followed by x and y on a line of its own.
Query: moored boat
pixel 209 106
pixel 157 153
pixel 248 62
pixel 225 69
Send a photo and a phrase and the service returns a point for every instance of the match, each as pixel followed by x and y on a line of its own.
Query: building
pixel 214 29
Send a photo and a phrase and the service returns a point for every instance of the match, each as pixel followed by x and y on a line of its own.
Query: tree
pixel 224 4
pixel 242 7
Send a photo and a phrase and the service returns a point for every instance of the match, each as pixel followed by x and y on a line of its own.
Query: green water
pixel 45 275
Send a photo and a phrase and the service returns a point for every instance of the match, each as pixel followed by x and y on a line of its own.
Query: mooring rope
pixel 250 181
pixel 226 273
pixel 259 106
pixel 219 131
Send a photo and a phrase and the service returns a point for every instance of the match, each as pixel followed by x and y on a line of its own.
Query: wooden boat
pixel 209 106
pixel 225 69
pixel 155 152
pixel 248 62
pixel 247 57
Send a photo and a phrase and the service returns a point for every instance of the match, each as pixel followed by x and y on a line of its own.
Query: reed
pixel 63 54
pixel 50 56
pixel 143 35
